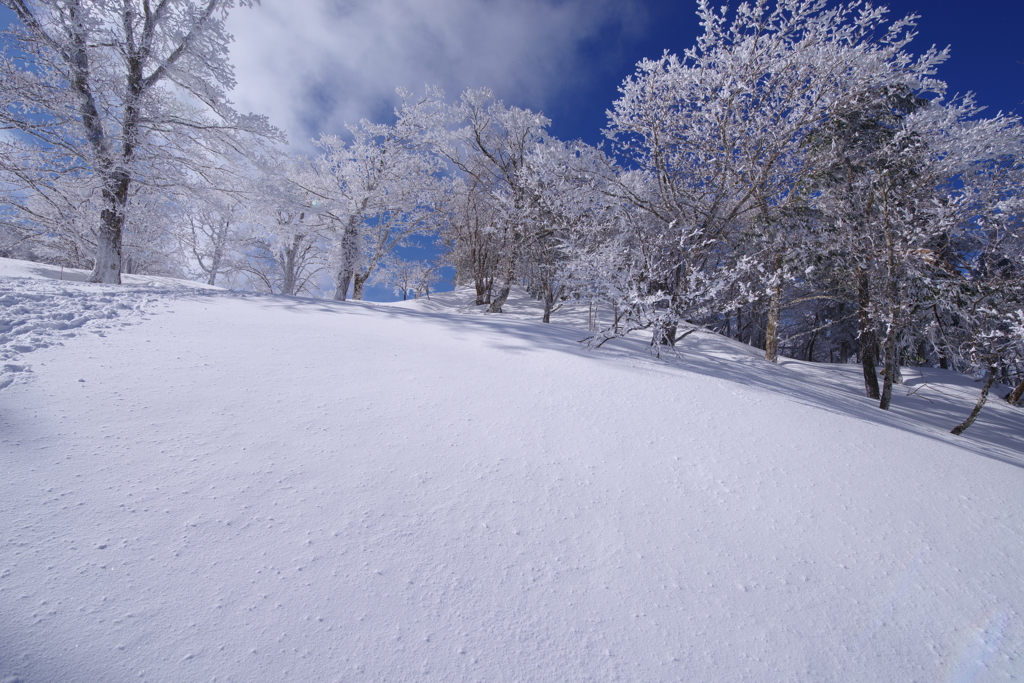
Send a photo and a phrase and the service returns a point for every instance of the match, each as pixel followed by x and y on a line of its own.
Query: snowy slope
pixel 253 488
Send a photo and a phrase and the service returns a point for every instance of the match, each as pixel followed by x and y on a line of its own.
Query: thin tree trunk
pixel 220 237
pixel 891 294
pixel 506 286
pixel 810 347
pixel 868 341
pixel 990 379
pixel 771 341
pixel 1016 394
pixel 889 374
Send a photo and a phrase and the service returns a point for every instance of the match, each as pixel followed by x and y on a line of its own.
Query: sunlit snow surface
pixel 200 485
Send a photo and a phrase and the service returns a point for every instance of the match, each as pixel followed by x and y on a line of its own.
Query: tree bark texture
pixel 868 340
pixel 891 360
pixel 1016 394
pixel 348 258
pixel 990 379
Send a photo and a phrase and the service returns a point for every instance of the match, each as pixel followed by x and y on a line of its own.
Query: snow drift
pixel 204 485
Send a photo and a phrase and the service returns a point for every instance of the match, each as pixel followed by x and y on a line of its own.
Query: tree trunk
pixel 220 237
pixel 290 266
pixel 1016 394
pixel 868 341
pixel 348 257
pixel 990 379
pixel 506 286
pixel 550 296
pixel 358 284
pixel 341 283
pixel 891 360
pixel 771 340
pixel 668 335
pixel 116 181
pixel 891 370
pixel 499 300
pixel 107 266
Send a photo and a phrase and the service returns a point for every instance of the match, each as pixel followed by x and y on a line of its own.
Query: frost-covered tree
pixel 720 138
pixel 567 181
pixel 120 93
pixel 285 251
pixel 285 256
pixel 212 235
pixel 490 145
pixel 374 192
pixel 397 273
pixel 469 236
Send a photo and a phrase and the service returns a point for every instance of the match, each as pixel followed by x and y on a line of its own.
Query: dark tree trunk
pixel 341 283
pixel 666 336
pixel 868 341
pixel 889 374
pixel 1016 394
pixel 349 256
pixel 771 333
pixel 990 379
pixel 506 286
pixel 220 235
pixel 359 284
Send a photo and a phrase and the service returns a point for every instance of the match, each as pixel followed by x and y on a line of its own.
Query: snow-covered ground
pixel 201 485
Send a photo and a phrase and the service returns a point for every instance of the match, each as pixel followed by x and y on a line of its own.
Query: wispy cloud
pixel 312 65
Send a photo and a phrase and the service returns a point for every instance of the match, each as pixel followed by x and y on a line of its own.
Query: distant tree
pixel 470 237
pixel 374 192
pixel 212 236
pixel 397 273
pixel 490 146
pixel 285 249
pixel 424 276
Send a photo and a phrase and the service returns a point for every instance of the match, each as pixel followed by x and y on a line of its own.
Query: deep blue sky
pixel 986 37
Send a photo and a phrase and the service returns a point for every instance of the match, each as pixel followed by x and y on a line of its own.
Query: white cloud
pixel 312 65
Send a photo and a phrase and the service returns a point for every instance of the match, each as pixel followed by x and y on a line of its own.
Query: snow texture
pixel 259 488
pixel 38 313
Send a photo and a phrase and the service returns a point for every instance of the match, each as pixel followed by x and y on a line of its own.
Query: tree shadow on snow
pixel 924 405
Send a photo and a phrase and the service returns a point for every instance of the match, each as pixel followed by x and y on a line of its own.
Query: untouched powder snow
pixel 257 488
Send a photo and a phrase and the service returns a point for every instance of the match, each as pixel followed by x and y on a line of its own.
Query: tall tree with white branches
pixel 123 92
